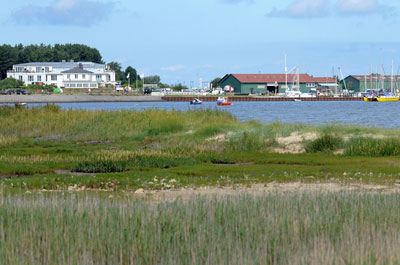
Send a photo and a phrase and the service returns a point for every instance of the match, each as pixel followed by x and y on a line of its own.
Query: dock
pixel 249 98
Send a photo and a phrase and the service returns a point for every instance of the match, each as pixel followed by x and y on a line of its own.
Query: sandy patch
pixel 294 143
pixel 260 189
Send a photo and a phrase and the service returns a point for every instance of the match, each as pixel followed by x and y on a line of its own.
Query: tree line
pixel 11 55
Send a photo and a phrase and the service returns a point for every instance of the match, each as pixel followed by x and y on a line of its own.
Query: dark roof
pixel 279 78
pixel 61 64
pixel 76 70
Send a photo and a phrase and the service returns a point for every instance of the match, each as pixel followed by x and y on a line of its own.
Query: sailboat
pixel 390 96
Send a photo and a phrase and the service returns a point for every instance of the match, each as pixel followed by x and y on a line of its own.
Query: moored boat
pixel 196 101
pixel 223 101
pixel 387 98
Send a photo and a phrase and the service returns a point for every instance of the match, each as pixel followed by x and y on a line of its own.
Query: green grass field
pixel 68 180
pixel 49 148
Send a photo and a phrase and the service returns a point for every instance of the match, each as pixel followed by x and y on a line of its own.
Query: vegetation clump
pixel 326 143
pixel 367 146
pixel 102 166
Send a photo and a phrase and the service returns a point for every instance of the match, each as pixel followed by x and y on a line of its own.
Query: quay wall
pixel 205 98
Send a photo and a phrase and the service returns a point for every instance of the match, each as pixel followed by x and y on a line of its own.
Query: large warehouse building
pixel 362 83
pixel 274 83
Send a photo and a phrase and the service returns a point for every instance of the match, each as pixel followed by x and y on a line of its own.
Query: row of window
pixel 76 76
pixel 20 69
pixel 72 85
pixel 31 78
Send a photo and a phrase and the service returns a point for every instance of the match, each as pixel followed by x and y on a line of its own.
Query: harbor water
pixel 368 114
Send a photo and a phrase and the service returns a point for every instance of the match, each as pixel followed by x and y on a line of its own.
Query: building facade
pixel 273 83
pixel 362 83
pixel 63 74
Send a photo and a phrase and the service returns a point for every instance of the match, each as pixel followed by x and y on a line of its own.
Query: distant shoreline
pixel 84 98
pixel 12 99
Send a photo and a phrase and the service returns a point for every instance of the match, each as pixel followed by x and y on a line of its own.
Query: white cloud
pixel 65 12
pixel 302 9
pixel 64 4
pixel 173 68
pixel 357 6
pixel 234 2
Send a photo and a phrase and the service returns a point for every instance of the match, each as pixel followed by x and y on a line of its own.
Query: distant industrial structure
pixel 63 74
pixel 363 83
pixel 276 83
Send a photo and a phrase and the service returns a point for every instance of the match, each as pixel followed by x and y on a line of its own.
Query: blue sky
pixel 184 40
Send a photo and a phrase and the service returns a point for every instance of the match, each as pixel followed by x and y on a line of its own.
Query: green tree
pixel 132 74
pixel 8 57
pixel 152 79
pixel 215 82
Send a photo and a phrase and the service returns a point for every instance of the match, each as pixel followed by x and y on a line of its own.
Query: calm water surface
pixel 373 114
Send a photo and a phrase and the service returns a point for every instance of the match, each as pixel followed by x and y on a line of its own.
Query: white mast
pixel 286 71
pixel 391 79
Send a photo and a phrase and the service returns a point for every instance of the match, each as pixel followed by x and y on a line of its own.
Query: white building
pixel 63 74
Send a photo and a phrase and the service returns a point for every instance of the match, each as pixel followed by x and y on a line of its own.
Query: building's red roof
pixel 280 78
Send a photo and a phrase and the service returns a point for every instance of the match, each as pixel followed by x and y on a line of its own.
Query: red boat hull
pixel 224 103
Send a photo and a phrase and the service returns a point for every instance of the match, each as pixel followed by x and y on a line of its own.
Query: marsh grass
pixel 367 146
pixel 282 228
pixel 101 166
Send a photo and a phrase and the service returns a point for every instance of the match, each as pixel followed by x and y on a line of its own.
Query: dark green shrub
pixel 325 143
pixel 101 166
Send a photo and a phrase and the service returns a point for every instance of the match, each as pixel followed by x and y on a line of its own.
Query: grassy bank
pixel 49 148
pixel 292 228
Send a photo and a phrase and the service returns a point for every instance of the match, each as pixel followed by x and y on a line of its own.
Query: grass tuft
pixel 367 146
pixel 326 143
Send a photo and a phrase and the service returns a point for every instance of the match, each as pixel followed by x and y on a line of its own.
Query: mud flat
pixel 11 99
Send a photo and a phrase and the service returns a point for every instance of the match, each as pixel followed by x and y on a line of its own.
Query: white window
pixel 93 85
pixel 98 77
pixel 66 85
pixel 20 77
pixel 38 69
pixel 78 85
pixel 53 77
pixel 19 69
pixel 39 78
pixel 68 76
pixel 47 69
pixel 73 85
pixel 310 85
pixel 83 76
pixel 76 76
pixel 85 85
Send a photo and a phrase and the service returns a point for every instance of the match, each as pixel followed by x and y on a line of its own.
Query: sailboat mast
pixel 391 79
pixel 286 72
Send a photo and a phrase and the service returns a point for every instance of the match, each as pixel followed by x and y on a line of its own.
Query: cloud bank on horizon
pixel 83 13
pixel 323 8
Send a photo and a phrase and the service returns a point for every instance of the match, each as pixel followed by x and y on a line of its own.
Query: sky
pixel 185 40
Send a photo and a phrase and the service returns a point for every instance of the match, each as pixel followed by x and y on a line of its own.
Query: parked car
pixel 147 91
pixel 21 92
pixel 8 92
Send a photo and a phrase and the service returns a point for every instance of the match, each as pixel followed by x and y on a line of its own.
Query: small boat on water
pixel 223 101
pixel 387 98
pixel 196 101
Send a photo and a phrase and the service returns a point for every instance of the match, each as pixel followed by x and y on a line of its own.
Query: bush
pixel 10 83
pixel 325 143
